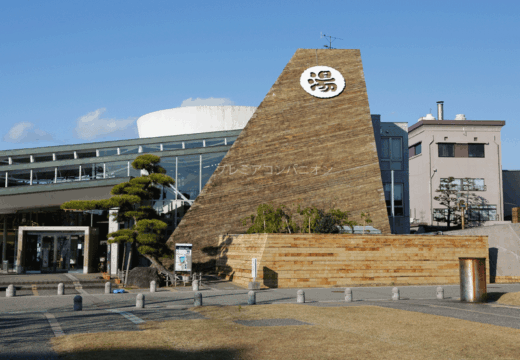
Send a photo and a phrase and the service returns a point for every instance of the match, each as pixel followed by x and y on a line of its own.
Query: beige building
pixel 467 150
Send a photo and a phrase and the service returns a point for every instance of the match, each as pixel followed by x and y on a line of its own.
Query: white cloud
pixel 26 132
pixel 209 101
pixel 92 126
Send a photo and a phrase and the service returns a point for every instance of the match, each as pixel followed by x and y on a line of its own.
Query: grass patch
pixel 360 332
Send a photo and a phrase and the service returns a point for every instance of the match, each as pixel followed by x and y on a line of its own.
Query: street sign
pixel 253 268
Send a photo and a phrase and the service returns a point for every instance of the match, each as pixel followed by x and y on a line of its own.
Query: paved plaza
pixel 42 314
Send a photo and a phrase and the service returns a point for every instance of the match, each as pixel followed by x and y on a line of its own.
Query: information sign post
pixel 182 259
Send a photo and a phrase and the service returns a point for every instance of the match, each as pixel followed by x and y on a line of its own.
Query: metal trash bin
pixel 472 279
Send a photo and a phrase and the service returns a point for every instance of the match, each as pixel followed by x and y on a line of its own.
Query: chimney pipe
pixel 440 110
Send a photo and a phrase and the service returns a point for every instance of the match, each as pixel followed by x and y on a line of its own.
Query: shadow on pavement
pixel 494 296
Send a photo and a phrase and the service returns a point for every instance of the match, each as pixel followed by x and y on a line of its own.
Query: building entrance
pixel 54 252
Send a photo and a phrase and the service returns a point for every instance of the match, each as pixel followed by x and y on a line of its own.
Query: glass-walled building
pixel 35 182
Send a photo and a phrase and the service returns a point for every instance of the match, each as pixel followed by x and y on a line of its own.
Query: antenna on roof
pixel 330 40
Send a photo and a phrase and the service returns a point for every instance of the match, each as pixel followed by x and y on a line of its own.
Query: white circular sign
pixel 322 81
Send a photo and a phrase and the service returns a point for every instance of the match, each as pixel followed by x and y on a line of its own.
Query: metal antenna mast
pixel 331 40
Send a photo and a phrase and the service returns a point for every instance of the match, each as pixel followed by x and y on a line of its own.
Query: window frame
pixel 390 161
pixel 452 151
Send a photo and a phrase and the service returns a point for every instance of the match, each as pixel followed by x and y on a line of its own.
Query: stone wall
pixel 330 260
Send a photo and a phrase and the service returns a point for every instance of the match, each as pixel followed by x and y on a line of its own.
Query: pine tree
pixel 134 199
pixel 448 196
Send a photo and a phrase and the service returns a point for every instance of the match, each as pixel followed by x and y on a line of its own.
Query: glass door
pixel 77 243
pixel 46 243
pixel 62 243
pixel 32 254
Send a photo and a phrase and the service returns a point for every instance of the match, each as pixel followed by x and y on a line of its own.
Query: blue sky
pixel 64 64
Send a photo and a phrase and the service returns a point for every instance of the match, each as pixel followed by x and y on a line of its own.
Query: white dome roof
pixel 194 120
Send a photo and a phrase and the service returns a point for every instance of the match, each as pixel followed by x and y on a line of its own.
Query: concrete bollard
pixel 440 293
pixel 11 291
pixel 78 303
pixel 197 299
pixel 61 289
pixel 251 298
pixel 195 285
pixel 395 294
pixel 153 287
pixel 139 301
pixel 108 287
pixel 300 297
pixel 348 295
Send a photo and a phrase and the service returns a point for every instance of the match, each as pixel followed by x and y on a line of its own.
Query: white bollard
pixel 195 285
pixel 139 301
pixel 300 297
pixel 153 288
pixel 440 293
pixel 348 295
pixel 108 287
pixel 11 291
pixel 61 289
pixel 395 294
pixel 78 303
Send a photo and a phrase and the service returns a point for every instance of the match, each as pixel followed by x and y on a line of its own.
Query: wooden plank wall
pixel 330 260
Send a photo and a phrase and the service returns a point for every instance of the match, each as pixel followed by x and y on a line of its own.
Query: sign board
pixel 322 82
pixel 95 212
pixel 183 257
pixel 253 268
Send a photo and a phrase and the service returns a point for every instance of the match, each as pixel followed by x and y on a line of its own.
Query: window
pixel 461 150
pixel 68 173
pixel 483 213
pixel 43 176
pixel 446 150
pixel 188 176
pixel 215 142
pixel 116 169
pixel 210 163
pixel 465 184
pixel 440 215
pixel 21 159
pixel 476 150
pixel 42 158
pixel 107 152
pixel 414 150
pixel 86 154
pixel 129 150
pixel 92 172
pixel 151 148
pixel 193 144
pixel 19 178
pixel 398 199
pixel 4 161
pixel 391 154
pixel 172 146
pixel 65 156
